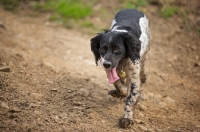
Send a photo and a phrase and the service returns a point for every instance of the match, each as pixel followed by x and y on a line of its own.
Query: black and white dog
pixel 122 51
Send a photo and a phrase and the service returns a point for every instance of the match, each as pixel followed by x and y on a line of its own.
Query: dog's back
pixel 135 23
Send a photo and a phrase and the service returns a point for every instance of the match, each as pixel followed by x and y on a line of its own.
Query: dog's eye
pixel 116 49
pixel 103 49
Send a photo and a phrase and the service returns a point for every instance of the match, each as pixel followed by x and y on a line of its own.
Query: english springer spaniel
pixel 122 50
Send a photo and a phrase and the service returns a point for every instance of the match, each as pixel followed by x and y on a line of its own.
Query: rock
pixel 62 115
pixel 150 95
pixel 103 121
pixel 172 58
pixel 4 105
pixel 36 95
pixel 150 130
pixel 77 103
pixel 37 112
pixel 54 90
pixel 161 104
pixel 32 105
pixel 142 127
pixel 49 65
pixel 197 57
pixel 142 107
pixel 84 92
pixel 143 97
pixel 50 82
pixel 140 115
pixel 198 126
pixel 168 100
pixel 138 121
pixel 157 97
pixel 89 98
pixel 2 25
pixel 14 109
pixel 5 69
pixel 159 130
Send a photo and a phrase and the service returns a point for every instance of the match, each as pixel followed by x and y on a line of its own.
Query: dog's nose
pixel 107 65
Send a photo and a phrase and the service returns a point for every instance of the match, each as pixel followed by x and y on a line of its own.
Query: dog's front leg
pixel 121 90
pixel 133 92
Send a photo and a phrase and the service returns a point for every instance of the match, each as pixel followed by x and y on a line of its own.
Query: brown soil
pixel 55 86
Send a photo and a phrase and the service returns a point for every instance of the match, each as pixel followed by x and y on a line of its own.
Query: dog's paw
pixel 125 122
pixel 116 93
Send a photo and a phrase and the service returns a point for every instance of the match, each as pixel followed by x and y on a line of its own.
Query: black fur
pixel 131 44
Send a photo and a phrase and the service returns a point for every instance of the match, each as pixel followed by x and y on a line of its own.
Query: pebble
pixel 32 105
pixel 5 69
pixel 142 107
pixel 150 95
pixel 162 104
pixel 198 126
pixel 150 130
pixel 142 127
pixel 169 100
pixel 197 57
pixel 140 115
pixel 37 95
pixel 84 92
pixel 14 109
pixel 103 121
pixel 37 112
pixel 159 130
pixel 49 65
pixel 4 105
pixel 138 121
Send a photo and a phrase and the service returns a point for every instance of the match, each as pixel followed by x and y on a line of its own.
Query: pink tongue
pixel 112 75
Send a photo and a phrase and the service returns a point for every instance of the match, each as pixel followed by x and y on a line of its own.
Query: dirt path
pixel 54 84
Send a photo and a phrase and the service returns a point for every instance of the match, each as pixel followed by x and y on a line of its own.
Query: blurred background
pixel 49 80
pixel 97 14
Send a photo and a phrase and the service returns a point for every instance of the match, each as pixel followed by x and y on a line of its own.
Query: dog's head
pixel 111 46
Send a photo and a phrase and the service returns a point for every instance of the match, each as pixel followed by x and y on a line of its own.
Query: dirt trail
pixel 54 84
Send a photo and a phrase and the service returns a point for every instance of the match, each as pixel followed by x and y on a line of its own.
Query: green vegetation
pixel 135 3
pixel 75 9
pixel 168 11
pixel 93 15
pixel 70 13
pixel 9 4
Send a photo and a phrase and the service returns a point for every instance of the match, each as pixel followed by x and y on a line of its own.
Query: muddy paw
pixel 125 122
pixel 116 93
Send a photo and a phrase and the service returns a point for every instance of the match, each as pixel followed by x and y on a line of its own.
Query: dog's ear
pixel 133 47
pixel 95 44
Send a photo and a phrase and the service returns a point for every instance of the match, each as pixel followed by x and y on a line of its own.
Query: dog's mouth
pixel 112 75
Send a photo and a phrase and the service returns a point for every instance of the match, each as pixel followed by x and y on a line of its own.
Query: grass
pixel 75 9
pixel 66 12
pixel 135 3
pixel 168 11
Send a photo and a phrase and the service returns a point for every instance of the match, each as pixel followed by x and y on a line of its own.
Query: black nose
pixel 107 65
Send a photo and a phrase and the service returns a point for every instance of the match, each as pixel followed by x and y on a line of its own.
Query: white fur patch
pixel 102 60
pixel 145 34
pixel 113 23
pixel 118 30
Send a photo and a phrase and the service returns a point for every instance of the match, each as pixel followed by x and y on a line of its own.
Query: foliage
pixel 168 11
pixel 75 9
pixel 135 3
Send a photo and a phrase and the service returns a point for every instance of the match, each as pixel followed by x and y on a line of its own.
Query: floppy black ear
pixel 133 47
pixel 95 44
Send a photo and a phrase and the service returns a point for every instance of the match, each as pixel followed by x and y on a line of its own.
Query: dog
pixel 121 51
